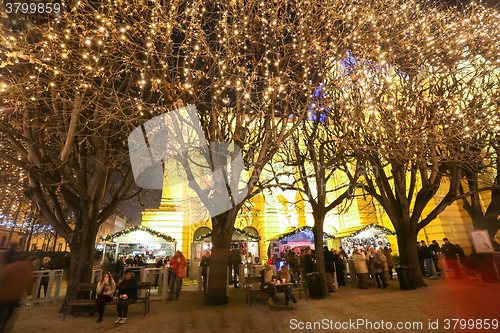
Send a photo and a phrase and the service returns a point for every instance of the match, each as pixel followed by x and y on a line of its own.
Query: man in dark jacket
pixel 427 259
pixel 339 268
pixel 450 254
pixel 329 269
pixel 308 269
pixel 435 249
pixel 205 263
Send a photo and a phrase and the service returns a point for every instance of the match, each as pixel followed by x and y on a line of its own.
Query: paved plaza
pixel 443 299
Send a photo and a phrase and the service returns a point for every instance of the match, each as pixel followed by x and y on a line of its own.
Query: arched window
pixel 3 241
pixel 202 231
pixel 251 231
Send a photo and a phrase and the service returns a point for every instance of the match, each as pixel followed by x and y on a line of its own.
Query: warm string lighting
pixel 384 63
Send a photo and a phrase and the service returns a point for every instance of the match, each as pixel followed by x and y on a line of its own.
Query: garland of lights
pixel 25 227
pixel 238 231
pixel 367 240
pixel 374 226
pixel 301 229
pixel 109 238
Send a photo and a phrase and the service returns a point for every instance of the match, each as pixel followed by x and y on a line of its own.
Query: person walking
pixel 329 268
pixel 127 294
pixel 390 261
pixel 16 280
pixel 105 291
pixel 236 260
pixel 178 264
pixel 361 269
pixel 205 263
pixel 339 268
pixel 378 267
pixel 450 255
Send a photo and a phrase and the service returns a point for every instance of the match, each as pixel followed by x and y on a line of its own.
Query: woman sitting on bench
pixel 266 277
pixel 127 294
pixel 105 290
pixel 284 275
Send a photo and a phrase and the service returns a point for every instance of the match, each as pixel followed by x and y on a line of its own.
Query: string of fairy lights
pixel 389 58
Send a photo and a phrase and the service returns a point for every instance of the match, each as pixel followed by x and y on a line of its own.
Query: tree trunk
pixel 319 218
pixel 221 242
pixel 408 253
pixel 492 224
pixel 82 247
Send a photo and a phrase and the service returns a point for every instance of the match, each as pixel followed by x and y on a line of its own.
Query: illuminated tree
pixel 315 162
pixel 251 69
pixel 74 89
pixel 420 104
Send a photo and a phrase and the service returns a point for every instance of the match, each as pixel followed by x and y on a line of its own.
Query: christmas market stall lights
pixel 139 240
pixel 294 240
pixel 245 242
pixel 373 235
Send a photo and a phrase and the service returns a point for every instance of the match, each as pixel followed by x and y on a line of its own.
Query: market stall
pixel 139 240
pixel 242 240
pixel 294 240
pixel 373 235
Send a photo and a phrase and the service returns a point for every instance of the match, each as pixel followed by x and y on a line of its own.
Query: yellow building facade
pixel 180 216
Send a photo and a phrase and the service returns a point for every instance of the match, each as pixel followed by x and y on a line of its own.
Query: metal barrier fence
pixel 45 278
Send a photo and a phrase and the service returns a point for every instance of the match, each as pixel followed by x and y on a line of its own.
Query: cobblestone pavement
pixel 342 311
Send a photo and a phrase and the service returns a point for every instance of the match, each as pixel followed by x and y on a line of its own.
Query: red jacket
pixel 178 263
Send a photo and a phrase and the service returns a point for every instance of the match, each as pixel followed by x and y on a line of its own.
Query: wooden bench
pixel 249 281
pixel 89 300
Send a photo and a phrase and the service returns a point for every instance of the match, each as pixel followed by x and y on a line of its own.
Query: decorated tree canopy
pixel 113 237
pixel 237 232
pixel 305 229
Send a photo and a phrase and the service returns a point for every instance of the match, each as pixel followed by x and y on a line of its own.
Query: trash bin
pixel 405 278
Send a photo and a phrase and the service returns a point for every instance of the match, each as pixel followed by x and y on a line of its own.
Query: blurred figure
pixel 390 261
pixel 339 268
pixel 178 264
pixel 236 260
pixel 427 259
pixel 44 281
pixel 205 263
pixel 450 254
pixel 464 260
pixel 16 280
pixel 119 269
pixel 361 268
pixel 292 262
pixel 130 260
pixel 329 268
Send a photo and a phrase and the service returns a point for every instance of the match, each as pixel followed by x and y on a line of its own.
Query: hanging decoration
pixel 305 229
pixel 388 232
pixel 109 238
pixel 250 237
